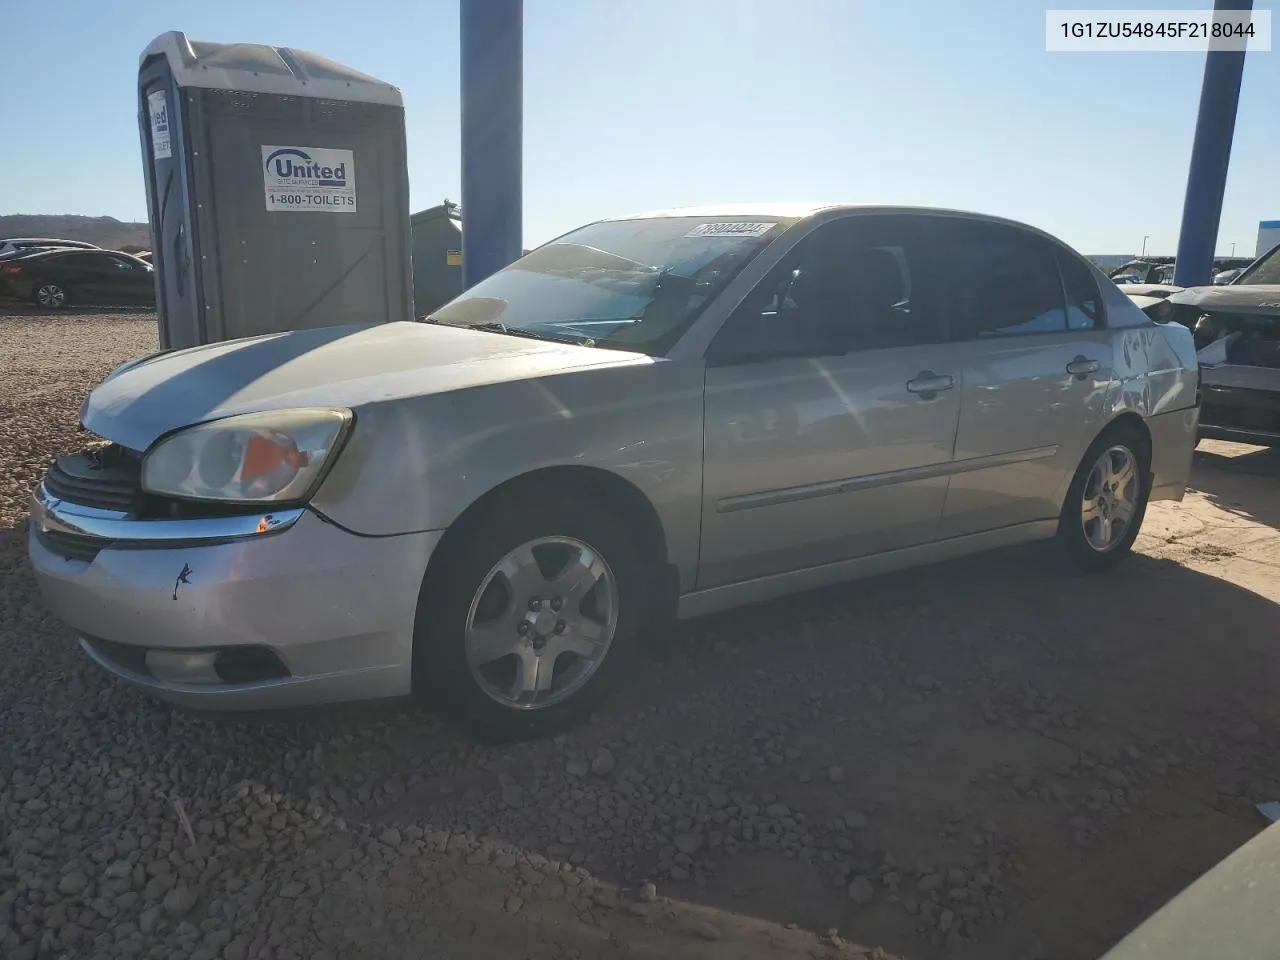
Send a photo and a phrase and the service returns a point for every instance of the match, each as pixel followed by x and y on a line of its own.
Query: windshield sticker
pixel 730 230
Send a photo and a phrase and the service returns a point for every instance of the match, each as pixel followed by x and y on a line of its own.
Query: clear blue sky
pixel 664 102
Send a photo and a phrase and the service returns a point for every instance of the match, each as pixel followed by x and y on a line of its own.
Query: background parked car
pixel 17 246
pixel 1237 334
pixel 56 278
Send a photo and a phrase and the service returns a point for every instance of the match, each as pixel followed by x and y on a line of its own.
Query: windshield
pixel 1264 270
pixel 625 284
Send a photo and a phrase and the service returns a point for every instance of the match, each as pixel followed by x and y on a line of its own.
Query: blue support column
pixel 492 49
pixel 1210 157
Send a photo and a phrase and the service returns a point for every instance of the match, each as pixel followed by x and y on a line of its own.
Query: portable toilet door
pixel 277 188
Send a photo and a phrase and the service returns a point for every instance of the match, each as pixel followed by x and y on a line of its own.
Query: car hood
pixel 1242 298
pixel 346 366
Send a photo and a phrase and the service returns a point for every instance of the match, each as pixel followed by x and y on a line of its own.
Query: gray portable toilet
pixel 437 256
pixel 277 189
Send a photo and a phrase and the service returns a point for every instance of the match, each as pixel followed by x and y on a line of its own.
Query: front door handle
pixel 1081 367
pixel 928 384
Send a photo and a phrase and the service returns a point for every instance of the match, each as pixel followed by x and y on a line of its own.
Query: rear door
pixel 1037 365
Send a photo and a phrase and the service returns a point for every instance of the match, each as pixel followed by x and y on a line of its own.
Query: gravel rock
pixel 929 882
pixel 860 891
pixel 179 901
pixel 72 883
pixel 646 893
pixel 705 930
pixel 603 763
pixel 689 843
pixel 835 774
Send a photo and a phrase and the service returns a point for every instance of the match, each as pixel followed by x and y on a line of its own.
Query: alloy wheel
pixel 1110 498
pixel 50 295
pixel 540 624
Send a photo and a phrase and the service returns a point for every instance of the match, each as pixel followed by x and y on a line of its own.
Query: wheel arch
pixel 595 484
pixel 1129 420
pixel 1125 420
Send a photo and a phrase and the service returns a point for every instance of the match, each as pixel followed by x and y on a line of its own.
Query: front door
pixel 87 276
pixel 1026 319
pixel 831 407
pixel 129 281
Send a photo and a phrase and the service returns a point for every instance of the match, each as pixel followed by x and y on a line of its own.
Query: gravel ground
pixel 983 759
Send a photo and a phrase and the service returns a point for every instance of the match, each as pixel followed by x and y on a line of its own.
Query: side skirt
pixel 702 602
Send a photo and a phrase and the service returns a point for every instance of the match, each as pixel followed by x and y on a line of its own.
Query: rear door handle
pixel 928 384
pixel 1081 367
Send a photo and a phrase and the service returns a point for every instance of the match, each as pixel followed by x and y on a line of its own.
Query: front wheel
pixel 49 295
pixel 1107 500
pixel 535 614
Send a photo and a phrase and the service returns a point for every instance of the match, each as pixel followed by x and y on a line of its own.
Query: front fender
pixel 417 463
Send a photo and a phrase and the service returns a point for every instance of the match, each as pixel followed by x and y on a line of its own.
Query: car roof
pixel 792 210
pixel 800 211
pixel 50 241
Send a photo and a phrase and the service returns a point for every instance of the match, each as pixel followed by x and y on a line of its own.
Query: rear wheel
pixel 50 295
pixel 533 618
pixel 1107 500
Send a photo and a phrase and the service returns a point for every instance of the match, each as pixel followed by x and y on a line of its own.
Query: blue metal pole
pixel 492 47
pixel 1210 157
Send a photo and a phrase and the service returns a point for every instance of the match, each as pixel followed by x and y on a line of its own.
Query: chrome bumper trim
pixel 49 514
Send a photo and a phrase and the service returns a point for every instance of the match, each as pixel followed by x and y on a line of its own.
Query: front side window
pixel 860 283
pixel 625 284
pixel 1002 282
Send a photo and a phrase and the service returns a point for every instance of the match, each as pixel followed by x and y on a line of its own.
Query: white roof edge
pixel 189 71
pixel 801 211
pixel 798 210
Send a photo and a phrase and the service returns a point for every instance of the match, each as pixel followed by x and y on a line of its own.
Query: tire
pixel 1120 455
pixel 49 294
pixel 472 611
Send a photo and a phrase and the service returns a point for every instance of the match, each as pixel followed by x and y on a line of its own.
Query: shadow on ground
pixel 1243 480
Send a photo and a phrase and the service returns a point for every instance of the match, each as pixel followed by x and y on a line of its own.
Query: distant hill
pixel 104 231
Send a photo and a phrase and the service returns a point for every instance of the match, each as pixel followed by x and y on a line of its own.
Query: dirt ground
pixel 992 758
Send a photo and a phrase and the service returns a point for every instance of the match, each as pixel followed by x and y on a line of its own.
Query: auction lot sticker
pixel 309 180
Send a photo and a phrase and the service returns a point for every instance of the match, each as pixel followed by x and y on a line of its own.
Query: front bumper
pixel 334 610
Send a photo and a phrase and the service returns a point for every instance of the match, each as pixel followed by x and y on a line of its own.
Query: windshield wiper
pixel 497 326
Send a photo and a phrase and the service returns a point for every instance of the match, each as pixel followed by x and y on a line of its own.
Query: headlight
pixel 271 457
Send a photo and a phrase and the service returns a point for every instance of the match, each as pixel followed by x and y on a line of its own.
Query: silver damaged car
pixel 653 416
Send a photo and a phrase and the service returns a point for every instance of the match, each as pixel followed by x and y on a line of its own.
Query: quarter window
pixel 1084 304
pixel 1003 282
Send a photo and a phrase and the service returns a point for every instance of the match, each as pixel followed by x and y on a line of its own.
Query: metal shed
pixel 437 256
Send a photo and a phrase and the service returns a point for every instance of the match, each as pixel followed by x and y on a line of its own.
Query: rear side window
pixel 1002 282
pixel 1084 303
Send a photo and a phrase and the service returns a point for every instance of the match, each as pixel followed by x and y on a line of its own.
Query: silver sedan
pixel 653 416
